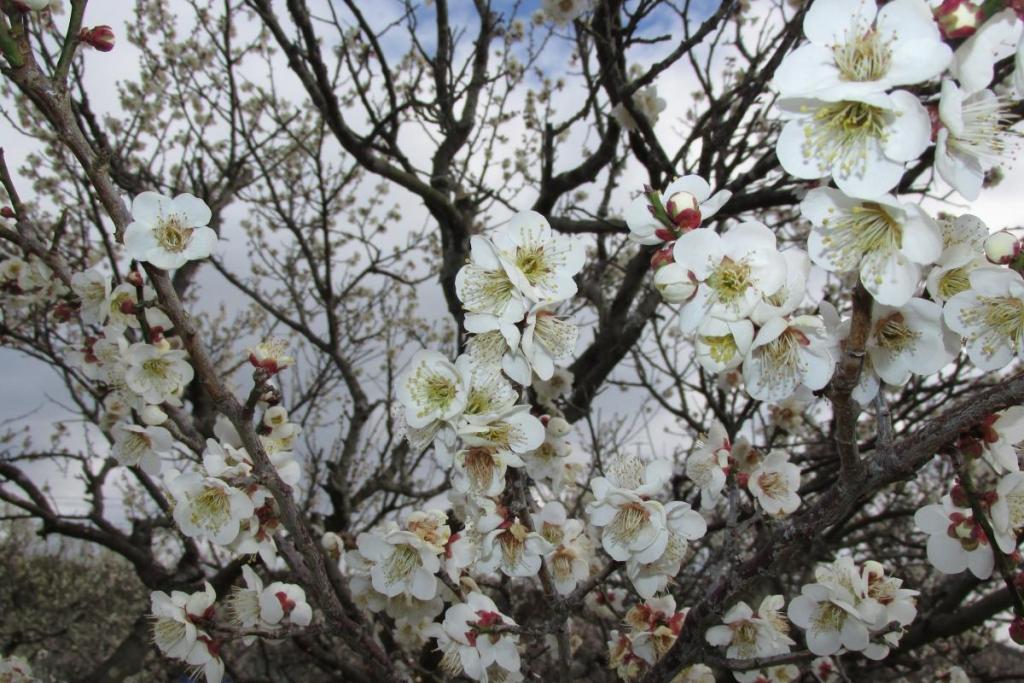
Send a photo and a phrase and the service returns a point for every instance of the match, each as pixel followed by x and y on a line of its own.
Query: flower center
pixel 722 349
pixel 865 229
pixel 480 467
pixel 432 390
pixel 954 281
pixel 401 564
pixel 840 133
pixel 865 57
pixel 533 262
pixel 628 522
pixel 561 564
pixel 168 632
pixel 211 508
pixel 172 235
pixel 773 484
pixel 479 402
pixel 244 605
pixel 1001 319
pixel 552 533
pixel 157 367
pixel 730 280
pixel 893 334
pixel 829 617
pixel 487 291
pixel 781 357
pixel 513 544
pixel 985 128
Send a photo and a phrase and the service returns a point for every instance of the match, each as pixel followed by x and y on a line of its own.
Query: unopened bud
pixel 558 427
pixel 674 284
pixel 275 417
pixel 959 496
pixel 662 257
pixel 1017 630
pixel 127 307
pixel 134 278
pixel 959 18
pixel 99 37
pixel 153 416
pixel 7 212
pixel 1001 247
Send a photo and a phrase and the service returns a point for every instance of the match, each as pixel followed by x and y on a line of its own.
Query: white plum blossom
pixel 990 317
pixel 956 540
pixel 168 233
pixel 141 446
pixel 909 340
pixel 885 240
pixel 646 103
pixel 480 470
pixel 547 342
pixel 539 262
pixel 828 616
pixel 722 345
pixel 208 508
pixel 735 271
pixel 775 482
pixel 973 136
pixel 1000 433
pixel 962 239
pixel 511 547
pixel 547 462
pixel 656 217
pixel 748 634
pixel 632 525
pixel 788 354
pixel 474 644
pixel 563 12
pixel 569 560
pixel 862 141
pixel 176 635
pixel 432 389
pixel 483 286
pixel 655 626
pixel 855 47
pixel 157 374
pixel 684 525
pixel 401 563
pixel 92 289
pixel 708 465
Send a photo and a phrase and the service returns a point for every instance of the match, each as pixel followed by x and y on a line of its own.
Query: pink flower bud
pixel 959 496
pixel 662 257
pixel 959 18
pixel 134 278
pixel 7 212
pixel 99 37
pixel 1001 247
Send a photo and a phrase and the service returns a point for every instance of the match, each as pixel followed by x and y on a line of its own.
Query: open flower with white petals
pixel 645 102
pixel 999 435
pixel 883 239
pixel 569 560
pixel 909 340
pixel 656 217
pixel 175 633
pixel 632 525
pixel 141 446
pixel 684 525
pixel 207 508
pixel 157 374
pixel 168 233
pixel 722 345
pixel 709 464
pixel 514 430
pixel 547 462
pixel 121 309
pixel 747 634
pixel 432 389
pixel 788 354
pixel 484 287
pixel 856 47
pixel 974 135
pixel 510 547
pixel 735 271
pixel 990 316
pixel 862 141
pixel 480 470
pixel 476 643
pixel 564 12
pixel 539 262
pixel 92 289
pixel 243 604
pixel 656 625
pixel 829 618
pixel 956 540
pixel 548 341
pixel 895 603
pixel 962 251
pixel 401 563
pixel 775 482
